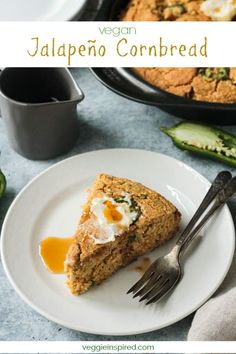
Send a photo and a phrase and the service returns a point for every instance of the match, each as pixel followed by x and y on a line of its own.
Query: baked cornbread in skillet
pixel 217 85
pixel 121 220
pixel 164 10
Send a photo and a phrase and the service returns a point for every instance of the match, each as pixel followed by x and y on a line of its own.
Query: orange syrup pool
pixel 53 252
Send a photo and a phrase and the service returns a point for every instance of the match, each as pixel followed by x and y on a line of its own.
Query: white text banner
pixel 117 44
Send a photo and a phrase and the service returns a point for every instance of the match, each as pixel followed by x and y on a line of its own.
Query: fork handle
pixel 221 198
pixel 220 181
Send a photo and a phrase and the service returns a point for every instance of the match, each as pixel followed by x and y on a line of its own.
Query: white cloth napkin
pixel 216 319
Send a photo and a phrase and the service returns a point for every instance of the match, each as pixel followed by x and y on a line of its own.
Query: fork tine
pixel 149 285
pixel 160 294
pixel 158 287
pixel 164 291
pixel 142 281
pixel 149 272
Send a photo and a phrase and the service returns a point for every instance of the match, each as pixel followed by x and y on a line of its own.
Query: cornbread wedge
pixel 121 220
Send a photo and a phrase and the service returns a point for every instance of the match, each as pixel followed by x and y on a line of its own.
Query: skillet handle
pixel 110 10
pixel 103 13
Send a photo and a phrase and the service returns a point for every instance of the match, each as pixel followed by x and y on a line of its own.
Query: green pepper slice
pixel 207 141
pixel 217 74
pixel 2 184
pixel 180 6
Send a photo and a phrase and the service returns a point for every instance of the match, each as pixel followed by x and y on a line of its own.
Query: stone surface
pixel 106 121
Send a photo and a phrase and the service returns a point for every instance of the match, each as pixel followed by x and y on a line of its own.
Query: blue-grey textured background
pixel 106 121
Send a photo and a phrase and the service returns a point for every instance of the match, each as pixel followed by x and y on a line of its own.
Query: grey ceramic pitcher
pixel 39 109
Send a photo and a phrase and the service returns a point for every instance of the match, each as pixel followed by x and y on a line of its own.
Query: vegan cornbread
pixel 204 84
pixel 164 10
pixel 121 220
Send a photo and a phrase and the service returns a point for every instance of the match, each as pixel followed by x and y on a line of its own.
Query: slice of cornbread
pixel 121 220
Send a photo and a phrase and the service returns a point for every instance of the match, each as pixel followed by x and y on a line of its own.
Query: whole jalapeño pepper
pixel 2 184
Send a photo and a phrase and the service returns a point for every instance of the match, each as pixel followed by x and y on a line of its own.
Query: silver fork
pixel 164 273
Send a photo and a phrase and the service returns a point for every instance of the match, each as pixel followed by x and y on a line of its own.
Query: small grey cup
pixel 39 109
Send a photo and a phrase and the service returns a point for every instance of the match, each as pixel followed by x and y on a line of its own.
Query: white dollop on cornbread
pixel 219 10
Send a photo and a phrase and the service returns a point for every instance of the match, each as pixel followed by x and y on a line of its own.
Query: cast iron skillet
pixel 127 84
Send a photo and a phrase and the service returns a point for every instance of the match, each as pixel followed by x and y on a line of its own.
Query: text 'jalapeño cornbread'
pixel 121 220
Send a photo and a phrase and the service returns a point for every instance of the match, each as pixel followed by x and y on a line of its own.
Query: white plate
pixel 39 10
pixel 50 206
